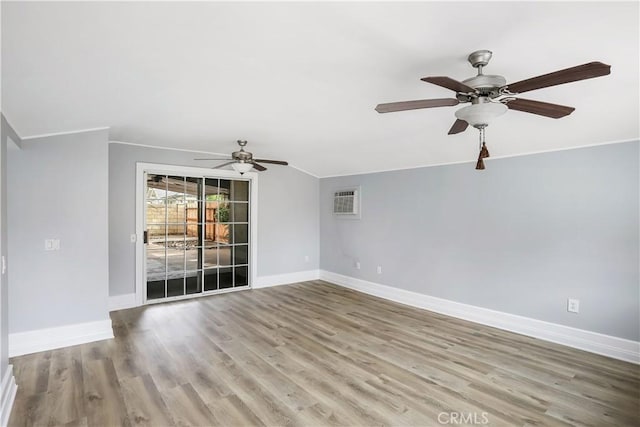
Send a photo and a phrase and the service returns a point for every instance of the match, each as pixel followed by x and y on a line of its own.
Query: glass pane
pixel 240 254
pixel 223 210
pixel 210 189
pixel 176 211
pixel 222 234
pixel 156 236
pixel 175 235
pixel 225 189
pixel 194 217
pixel 240 275
pixel 175 260
pixel 194 282
pixel 156 211
pixel 193 235
pixel 240 190
pixel 193 188
pixel 155 289
pixel 224 255
pixel 175 287
pixel 209 234
pixel 211 257
pixel 193 258
pixel 156 186
pixel 211 214
pixel 211 279
pixel 240 212
pixel 240 233
pixel 226 278
pixel 176 188
pixel 155 265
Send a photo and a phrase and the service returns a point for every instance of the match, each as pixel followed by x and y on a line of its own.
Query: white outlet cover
pixel 573 305
pixel 52 244
pixel 379 270
pixel 358 265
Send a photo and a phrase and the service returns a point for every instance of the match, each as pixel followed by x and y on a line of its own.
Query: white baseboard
pixel 283 279
pixel 8 389
pixel 63 336
pixel 617 348
pixel 120 302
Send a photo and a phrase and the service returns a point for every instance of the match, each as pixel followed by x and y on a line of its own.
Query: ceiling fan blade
pixel 223 165
pixel 275 162
pixel 217 158
pixel 458 126
pixel 554 111
pixel 568 75
pixel 415 105
pixel 258 167
pixel 448 83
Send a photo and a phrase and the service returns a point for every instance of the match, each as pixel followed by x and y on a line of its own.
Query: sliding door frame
pixel 152 168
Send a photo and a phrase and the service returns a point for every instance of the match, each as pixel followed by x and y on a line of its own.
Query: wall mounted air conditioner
pixel 346 202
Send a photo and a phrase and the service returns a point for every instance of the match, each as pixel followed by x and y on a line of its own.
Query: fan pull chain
pixel 484 152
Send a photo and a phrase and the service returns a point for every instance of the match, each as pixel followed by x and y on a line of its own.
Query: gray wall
pixel 520 237
pixel 288 214
pixel 59 189
pixel 6 131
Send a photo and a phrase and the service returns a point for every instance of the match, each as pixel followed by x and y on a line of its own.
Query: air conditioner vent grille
pixel 345 202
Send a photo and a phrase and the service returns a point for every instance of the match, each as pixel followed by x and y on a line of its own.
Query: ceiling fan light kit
pixel 242 161
pixel 242 167
pixel 490 96
pixel 481 113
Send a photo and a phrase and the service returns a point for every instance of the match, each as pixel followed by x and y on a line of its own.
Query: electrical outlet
pixel 357 265
pixel 52 244
pixel 379 269
pixel 573 305
pixel 306 258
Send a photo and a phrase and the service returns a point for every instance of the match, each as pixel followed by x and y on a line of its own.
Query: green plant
pixel 223 213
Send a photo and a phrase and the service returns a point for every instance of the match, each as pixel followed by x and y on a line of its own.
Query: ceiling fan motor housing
pixel 242 155
pixel 485 83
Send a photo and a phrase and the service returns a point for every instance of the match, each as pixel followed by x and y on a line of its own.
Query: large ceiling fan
pixel 490 96
pixel 243 161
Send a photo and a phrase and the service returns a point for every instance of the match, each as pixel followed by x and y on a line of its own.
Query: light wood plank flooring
pixel 317 354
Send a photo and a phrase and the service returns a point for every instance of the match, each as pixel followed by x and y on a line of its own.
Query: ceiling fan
pixel 490 96
pixel 243 161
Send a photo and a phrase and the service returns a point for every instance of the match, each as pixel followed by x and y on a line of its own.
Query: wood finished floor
pixel 316 354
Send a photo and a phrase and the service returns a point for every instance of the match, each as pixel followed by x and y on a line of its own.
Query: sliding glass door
pixel 197 235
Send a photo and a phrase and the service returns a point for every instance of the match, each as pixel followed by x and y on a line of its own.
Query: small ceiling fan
pixel 490 96
pixel 243 161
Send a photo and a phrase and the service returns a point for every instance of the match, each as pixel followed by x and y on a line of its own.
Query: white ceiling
pixel 300 80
